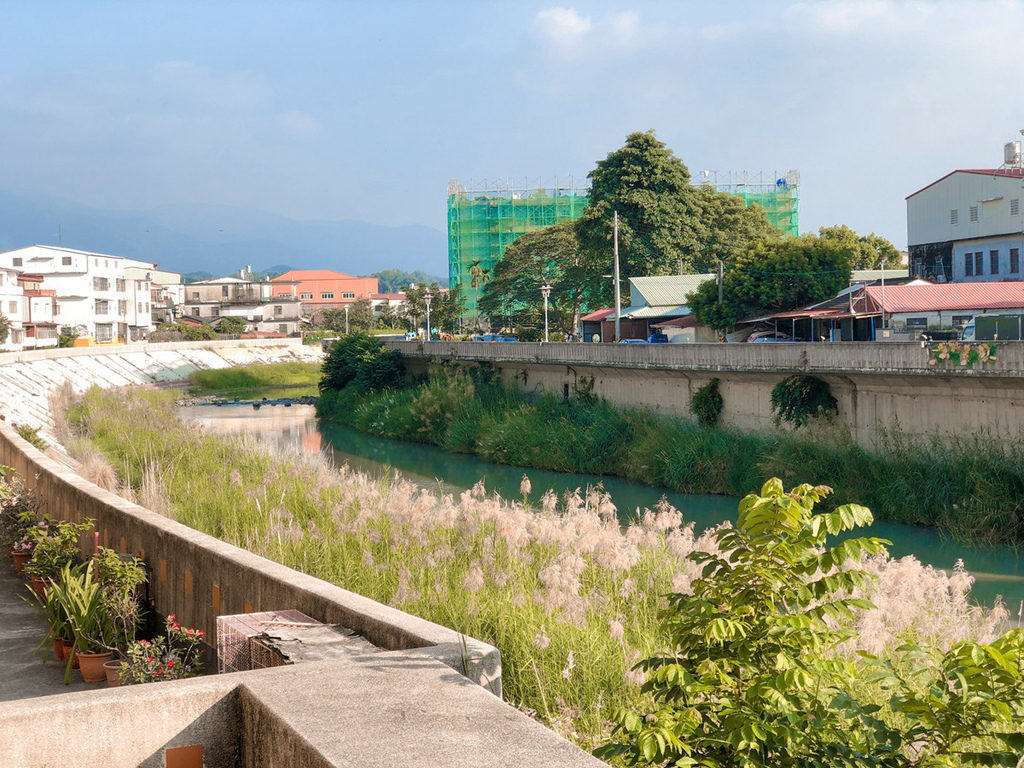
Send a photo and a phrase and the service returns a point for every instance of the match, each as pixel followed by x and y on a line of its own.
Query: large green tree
pixel 550 256
pixel 728 228
pixel 866 251
pixel 774 276
pixel 360 317
pixel 660 226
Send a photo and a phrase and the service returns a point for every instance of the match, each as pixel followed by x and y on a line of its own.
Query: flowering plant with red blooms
pixel 172 656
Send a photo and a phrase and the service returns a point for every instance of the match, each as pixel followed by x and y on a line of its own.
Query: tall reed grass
pixel 569 597
pixel 971 486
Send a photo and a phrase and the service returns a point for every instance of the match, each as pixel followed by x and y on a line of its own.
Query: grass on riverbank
pixel 570 599
pixel 257 376
pixel 967 485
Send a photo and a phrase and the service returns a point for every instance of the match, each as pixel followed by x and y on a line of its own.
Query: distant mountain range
pixel 219 239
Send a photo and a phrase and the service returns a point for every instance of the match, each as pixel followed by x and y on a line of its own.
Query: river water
pixel 997 570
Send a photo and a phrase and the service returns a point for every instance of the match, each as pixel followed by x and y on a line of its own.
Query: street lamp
pixel 426 298
pixel 346 319
pixel 545 291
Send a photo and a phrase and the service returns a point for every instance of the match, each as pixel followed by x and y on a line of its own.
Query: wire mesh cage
pixel 235 634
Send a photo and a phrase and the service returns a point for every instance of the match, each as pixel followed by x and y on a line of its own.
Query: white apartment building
pixel 12 300
pixel 253 302
pixel 968 226
pixel 93 291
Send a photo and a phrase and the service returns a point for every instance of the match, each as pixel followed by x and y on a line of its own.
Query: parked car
pixel 493 337
pixel 769 338
pixel 657 338
pixel 633 341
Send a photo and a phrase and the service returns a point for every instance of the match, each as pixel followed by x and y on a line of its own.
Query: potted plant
pixel 58 628
pixel 172 656
pixel 55 544
pixel 92 626
pixel 121 577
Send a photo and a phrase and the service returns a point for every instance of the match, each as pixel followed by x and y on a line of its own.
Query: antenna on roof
pixel 58 236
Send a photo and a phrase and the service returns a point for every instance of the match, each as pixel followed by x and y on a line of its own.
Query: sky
pixel 365 110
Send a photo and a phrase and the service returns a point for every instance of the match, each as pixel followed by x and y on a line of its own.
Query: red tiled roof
pixel 949 296
pixel 311 274
pixel 690 321
pixel 1013 173
pixel 601 314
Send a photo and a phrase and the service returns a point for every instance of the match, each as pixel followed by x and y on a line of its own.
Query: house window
pixel 348 295
pixel 1015 261
pixel 195 295
pixel 224 291
pixel 96 262
pixel 969 264
pixel 66 261
pixel 278 309
pixel 305 295
pixel 979 263
pixel 120 285
pixel 917 323
pixel 329 295
pixel 16 261
pixel 993 262
pixel 195 311
pixel 106 262
pixel 100 284
pixel 102 307
pixel 17 336
pixel 147 307
pixel 974 213
pixel 282 328
pixel 105 333
pixel 954 217
pixel 13 307
pixel 140 307
pixel 961 320
pixel 122 307
pixel 1015 206
pixel 216 311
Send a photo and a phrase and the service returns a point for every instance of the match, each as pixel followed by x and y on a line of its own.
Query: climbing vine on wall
pixel 963 353
pixel 798 399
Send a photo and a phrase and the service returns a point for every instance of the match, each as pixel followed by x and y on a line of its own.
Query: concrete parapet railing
pixel 198 577
pixel 909 358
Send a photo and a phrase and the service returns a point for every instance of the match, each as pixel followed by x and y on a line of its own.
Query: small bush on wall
pixel 798 399
pixel 706 404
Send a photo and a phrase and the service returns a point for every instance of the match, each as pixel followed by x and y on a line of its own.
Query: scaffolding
pixel 778 196
pixel 484 218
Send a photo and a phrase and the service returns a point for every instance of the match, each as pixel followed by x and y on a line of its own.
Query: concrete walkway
pixel 23 675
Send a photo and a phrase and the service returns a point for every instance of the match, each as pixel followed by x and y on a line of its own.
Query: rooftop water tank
pixel 1011 153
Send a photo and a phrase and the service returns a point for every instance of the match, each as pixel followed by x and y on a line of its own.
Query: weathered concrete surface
pixel 23 675
pixel 124 727
pixel 877 385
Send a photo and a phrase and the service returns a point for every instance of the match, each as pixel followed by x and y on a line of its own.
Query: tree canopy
pixel 5 328
pixel 774 276
pixel 866 251
pixel 445 306
pixel 360 317
pixel 549 256
pixel 658 209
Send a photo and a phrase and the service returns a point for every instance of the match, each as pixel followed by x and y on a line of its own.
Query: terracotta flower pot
pixel 91 665
pixel 58 649
pixel 111 668
pixel 67 650
pixel 39 584
pixel 20 558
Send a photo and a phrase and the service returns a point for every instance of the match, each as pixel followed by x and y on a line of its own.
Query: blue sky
pixel 364 110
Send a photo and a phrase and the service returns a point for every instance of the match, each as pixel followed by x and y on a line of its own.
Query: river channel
pixel 997 570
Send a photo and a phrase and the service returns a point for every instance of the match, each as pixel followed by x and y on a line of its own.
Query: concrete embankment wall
pixel 426 700
pixel 877 385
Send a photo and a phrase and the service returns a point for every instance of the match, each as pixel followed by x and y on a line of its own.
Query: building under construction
pixel 484 218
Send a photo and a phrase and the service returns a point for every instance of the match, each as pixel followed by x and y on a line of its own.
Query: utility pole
pixel 720 270
pixel 618 298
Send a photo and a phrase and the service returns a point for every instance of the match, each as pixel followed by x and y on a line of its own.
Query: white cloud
pixel 560 30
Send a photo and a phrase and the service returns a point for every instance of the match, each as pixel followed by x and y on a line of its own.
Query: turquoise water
pixel 998 570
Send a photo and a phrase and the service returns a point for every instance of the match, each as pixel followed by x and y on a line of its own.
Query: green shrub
pixel 706 404
pixel 798 399
pixel 362 360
